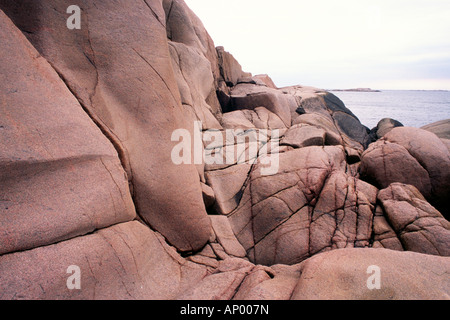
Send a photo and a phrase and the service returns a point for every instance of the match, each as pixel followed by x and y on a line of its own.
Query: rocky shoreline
pixel 87 124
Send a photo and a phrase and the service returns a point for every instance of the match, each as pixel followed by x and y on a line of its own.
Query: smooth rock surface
pixel 126 261
pixel 60 176
pixel 411 156
pixel 126 83
pixel 404 276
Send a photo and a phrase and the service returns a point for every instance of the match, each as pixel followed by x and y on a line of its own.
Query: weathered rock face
pixel 419 226
pixel 259 118
pixel 230 69
pixel 412 156
pixel 316 101
pixel 310 206
pixel 126 83
pixel 195 63
pixel 251 96
pixel 441 129
pixel 120 262
pixel 289 202
pixel 290 103
pixel 383 127
pixel 60 176
pixel 346 272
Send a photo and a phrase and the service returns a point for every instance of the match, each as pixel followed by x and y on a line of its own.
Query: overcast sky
pixel 383 44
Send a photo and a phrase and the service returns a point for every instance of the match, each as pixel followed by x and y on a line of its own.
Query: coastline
pixel 356 90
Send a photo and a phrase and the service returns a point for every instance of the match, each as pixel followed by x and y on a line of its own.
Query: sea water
pixel 411 108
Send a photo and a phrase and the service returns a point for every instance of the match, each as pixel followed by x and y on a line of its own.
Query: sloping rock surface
pixel 412 156
pixel 60 176
pixel 293 198
pixel 119 67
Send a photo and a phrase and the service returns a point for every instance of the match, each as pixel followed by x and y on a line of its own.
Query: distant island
pixel 357 90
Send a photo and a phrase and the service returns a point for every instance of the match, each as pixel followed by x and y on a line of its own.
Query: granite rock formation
pixel 88 180
pixel 413 156
pixel 441 129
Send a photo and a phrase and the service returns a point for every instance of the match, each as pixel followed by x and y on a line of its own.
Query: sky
pixel 329 44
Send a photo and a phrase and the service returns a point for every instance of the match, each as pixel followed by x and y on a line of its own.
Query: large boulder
pixel 345 120
pixel 441 129
pixel 195 62
pixel 60 176
pixel 315 101
pixel 311 205
pixel 384 163
pixel 305 135
pixel 122 262
pixel 264 80
pixel 383 127
pixel 259 118
pixel 251 96
pixel 411 156
pixel 419 226
pixel 350 275
pixel 126 83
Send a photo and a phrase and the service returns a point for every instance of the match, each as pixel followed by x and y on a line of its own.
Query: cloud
pixel 335 44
